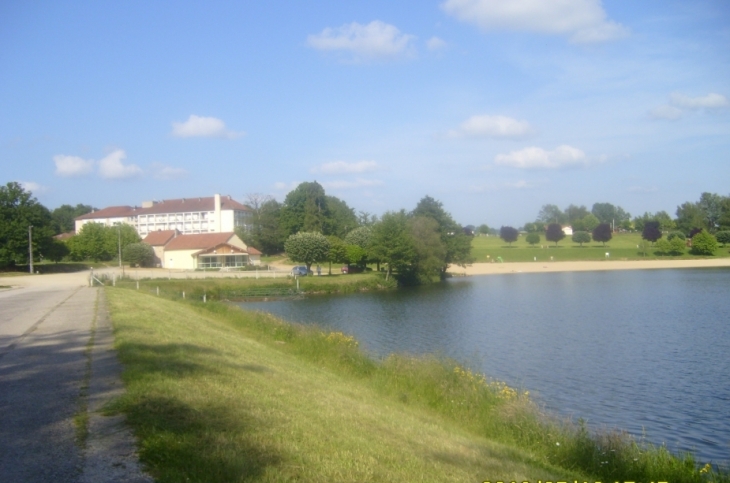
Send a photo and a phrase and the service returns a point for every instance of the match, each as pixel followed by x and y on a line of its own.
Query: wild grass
pixel 219 394
pixel 624 246
pixel 239 288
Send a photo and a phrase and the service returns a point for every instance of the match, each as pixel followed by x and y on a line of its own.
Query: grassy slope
pixel 210 404
pixel 622 246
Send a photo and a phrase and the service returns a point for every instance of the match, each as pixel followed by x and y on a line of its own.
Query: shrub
pixel 673 247
pixel 723 237
pixel 704 244
pixel 581 237
pixel 140 254
pixel 676 234
pixel 533 238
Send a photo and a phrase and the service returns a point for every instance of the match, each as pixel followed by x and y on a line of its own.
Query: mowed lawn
pixel 209 402
pixel 621 247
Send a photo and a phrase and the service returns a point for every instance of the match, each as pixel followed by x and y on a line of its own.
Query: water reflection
pixel 646 351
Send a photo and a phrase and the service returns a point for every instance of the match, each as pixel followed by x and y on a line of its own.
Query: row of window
pixel 220 261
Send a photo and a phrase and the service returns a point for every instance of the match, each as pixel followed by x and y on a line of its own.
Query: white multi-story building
pixel 214 214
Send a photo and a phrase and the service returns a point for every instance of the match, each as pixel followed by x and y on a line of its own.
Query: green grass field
pixel 218 394
pixel 621 247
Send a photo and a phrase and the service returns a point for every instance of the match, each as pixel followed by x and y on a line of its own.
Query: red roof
pixel 160 238
pixel 253 251
pixel 184 205
pixel 110 212
pixel 199 241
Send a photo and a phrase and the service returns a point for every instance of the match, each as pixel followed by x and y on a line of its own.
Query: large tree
pixel 265 232
pixel 551 214
pixel 305 209
pixel 430 249
pixel 341 218
pixel 362 237
pixel 710 205
pixel 608 213
pixel 602 233
pixel 574 213
pixel 689 217
pixel 508 234
pixel 19 210
pixel 64 216
pixel 98 242
pixel 554 233
pixel 307 248
pixel 393 244
pixel 457 243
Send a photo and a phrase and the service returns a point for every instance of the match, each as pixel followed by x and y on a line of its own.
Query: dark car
pixel 299 271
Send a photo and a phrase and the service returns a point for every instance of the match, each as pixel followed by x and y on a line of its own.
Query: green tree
pixel 139 254
pixel 581 237
pixel 18 211
pixel 602 233
pixel 608 213
pixel 483 229
pixel 509 234
pixel 673 247
pixel 574 213
pixel 362 237
pixel 590 222
pixel 393 245
pixel 265 233
pixel 703 243
pixel 341 218
pixel 305 209
pixel 337 252
pixel 710 205
pixel 63 217
pixel 56 251
pixel 724 220
pixel 307 248
pixel 554 233
pixel 430 249
pixel 551 214
pixel 533 238
pixel 101 243
pixel 676 234
pixel 689 217
pixel 457 243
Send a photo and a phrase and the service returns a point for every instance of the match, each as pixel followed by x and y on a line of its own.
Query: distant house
pixel 213 214
pixel 202 250
pixel 568 230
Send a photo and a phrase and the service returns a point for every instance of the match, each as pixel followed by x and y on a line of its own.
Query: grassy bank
pixel 242 288
pixel 621 247
pixel 218 394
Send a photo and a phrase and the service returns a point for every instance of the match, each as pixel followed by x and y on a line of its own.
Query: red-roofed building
pixel 213 214
pixel 202 250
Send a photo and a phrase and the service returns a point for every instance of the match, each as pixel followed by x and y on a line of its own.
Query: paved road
pixel 49 372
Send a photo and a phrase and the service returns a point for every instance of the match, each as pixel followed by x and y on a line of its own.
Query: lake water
pixel 647 351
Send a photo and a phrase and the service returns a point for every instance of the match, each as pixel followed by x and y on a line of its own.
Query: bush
pixel 533 238
pixel 723 237
pixel 140 254
pixel 704 244
pixel 673 247
pixel 676 234
pixel 581 237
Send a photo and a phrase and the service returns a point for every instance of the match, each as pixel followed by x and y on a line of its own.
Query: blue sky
pixel 494 108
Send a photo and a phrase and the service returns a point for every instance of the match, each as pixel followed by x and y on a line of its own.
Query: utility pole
pixel 30 246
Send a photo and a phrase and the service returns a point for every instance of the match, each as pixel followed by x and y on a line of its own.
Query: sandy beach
pixel 535 267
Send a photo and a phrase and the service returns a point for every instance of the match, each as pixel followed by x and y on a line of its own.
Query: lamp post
pixel 30 246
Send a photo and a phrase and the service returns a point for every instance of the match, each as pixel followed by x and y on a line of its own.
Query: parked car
pixel 299 271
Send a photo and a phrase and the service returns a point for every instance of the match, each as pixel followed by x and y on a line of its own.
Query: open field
pixel 621 247
pixel 218 394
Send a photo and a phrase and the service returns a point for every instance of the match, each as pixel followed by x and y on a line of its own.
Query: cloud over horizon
pixel 376 40
pixel 204 127
pixel 583 21
pixel 112 167
pixel 342 167
pixel 72 166
pixel 679 103
pixel 563 156
pixel 492 127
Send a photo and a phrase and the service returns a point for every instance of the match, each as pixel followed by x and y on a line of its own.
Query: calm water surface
pixel 647 351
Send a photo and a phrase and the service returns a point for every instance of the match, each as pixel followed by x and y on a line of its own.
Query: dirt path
pixel 56 365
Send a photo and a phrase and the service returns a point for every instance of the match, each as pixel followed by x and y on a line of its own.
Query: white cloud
pixel 168 172
pixel 203 127
pixel 33 187
pixel 376 40
pixel 537 158
pixel 69 166
pixel 710 101
pixel 665 112
pixel 492 127
pixel 584 21
pixel 358 183
pixel 112 167
pixel 340 167
pixel 435 43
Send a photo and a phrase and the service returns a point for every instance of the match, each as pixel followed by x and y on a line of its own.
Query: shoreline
pixel 584 266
